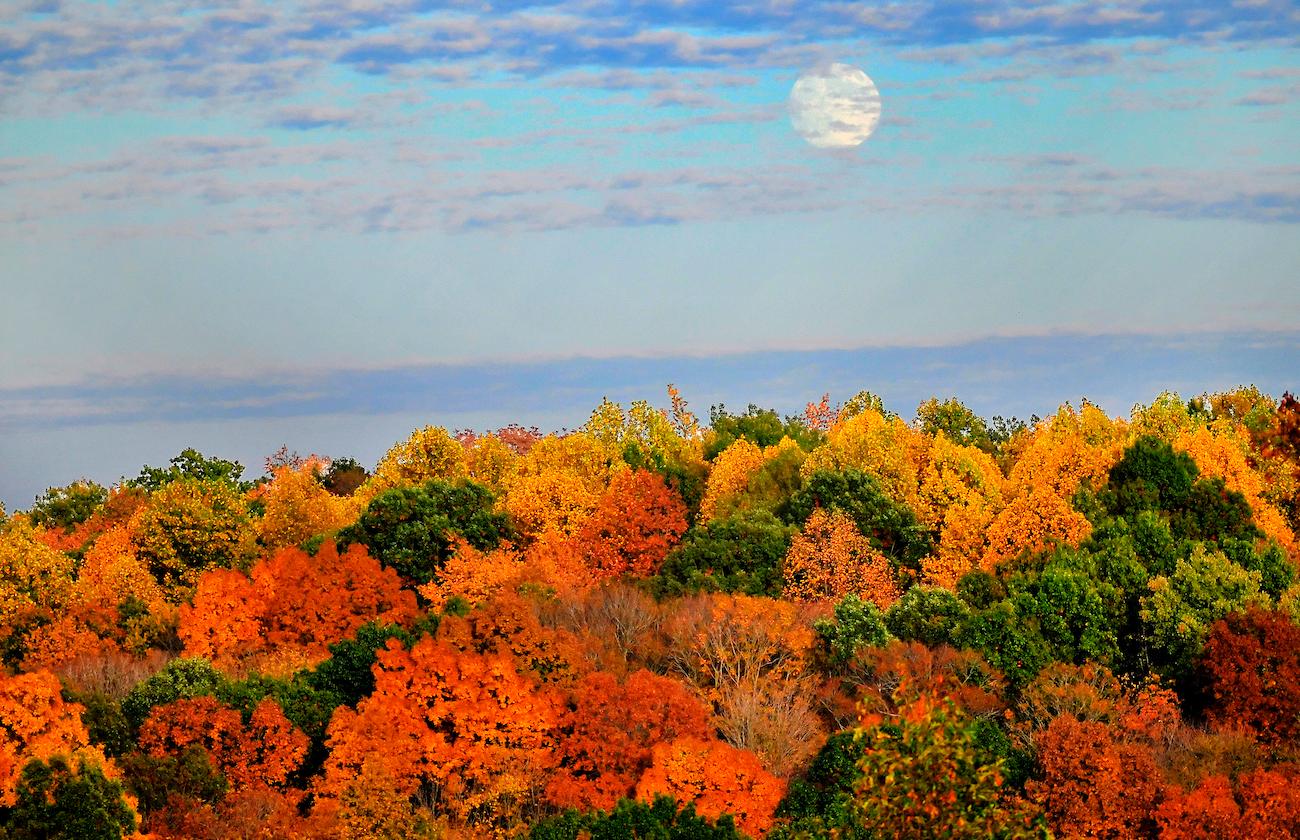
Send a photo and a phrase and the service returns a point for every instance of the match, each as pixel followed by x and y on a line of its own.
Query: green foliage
pixel 857 624
pixel 930 615
pixel 57 802
pixel 631 820
pixel 891 526
pixel 412 529
pixel 347 673
pixel 927 776
pixel 741 553
pixel 104 720
pixel 180 678
pixel 64 508
pixel 955 421
pixel 191 464
pixel 822 801
pixel 1276 571
pixel 980 589
pixel 760 426
pixel 1183 606
pixel 1008 640
pixel 1078 614
pixel 189 776
pixel 864 401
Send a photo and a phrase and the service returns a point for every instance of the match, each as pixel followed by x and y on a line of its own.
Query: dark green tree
pixel 59 802
pixel 741 553
pixel 412 529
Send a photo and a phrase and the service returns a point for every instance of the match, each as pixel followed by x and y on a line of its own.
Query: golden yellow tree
pixel 429 453
pixel 298 506
pixel 889 449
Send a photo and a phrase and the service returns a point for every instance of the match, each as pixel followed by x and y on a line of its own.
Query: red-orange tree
pixel 718 778
pixel 609 731
pixel 636 521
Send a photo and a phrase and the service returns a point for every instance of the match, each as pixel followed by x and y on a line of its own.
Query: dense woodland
pixel 848 624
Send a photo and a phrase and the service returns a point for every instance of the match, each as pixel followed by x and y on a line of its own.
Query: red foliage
pixel 718 778
pixel 1094 785
pixel 1251 671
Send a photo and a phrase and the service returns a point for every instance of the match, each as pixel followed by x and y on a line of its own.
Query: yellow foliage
pixel 961 491
pixel 1067 449
pixel 886 448
pixel 1222 450
pixel 730 474
pixel 33 576
pixel 831 559
pixel 578 455
pixel 298 506
pixel 429 453
pixel 492 462
pixel 1166 418
pixel 111 573
pixel 549 501
pixel 188 527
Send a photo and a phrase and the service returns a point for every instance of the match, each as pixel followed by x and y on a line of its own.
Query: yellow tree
pixel 889 449
pixel 429 453
pixel 35 579
pixel 961 491
pixel 298 506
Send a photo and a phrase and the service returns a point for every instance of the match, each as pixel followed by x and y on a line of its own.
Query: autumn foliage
pixel 846 624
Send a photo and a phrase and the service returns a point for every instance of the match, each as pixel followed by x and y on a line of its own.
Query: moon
pixel 835 106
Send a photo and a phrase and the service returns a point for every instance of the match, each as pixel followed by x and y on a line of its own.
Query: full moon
pixel 835 106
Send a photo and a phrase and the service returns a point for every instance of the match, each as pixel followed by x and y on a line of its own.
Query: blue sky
pixel 271 194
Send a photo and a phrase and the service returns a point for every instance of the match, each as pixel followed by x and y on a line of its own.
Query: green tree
pixel 64 508
pixel 413 529
pixel 741 553
pixel 926 776
pixel 631 820
pixel 957 422
pixel 58 802
pixel 191 464
pixel 856 624
pixel 760 426
pixel 930 615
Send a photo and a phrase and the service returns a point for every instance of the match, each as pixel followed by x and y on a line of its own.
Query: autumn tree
pixel 429 454
pixel 891 526
pixel 635 523
pixel 831 558
pixel 298 505
pixel 36 723
pixel 925 775
pixel 1250 672
pixel 1093 783
pixel 609 731
pixel 718 779
pixel 191 526
pixel 469 730
pixel 264 752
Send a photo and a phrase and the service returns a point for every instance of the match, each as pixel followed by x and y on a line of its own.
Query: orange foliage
pixel 1032 522
pixel 719 641
pixel 1066 450
pixel 263 753
pixel 609 731
pixel 292 601
pixel 831 559
pixel 1265 804
pixel 35 722
pixel 110 574
pixel 258 813
pixel 718 778
pixel 635 523
pixel 479 734
pixel 506 625
pixel 1093 785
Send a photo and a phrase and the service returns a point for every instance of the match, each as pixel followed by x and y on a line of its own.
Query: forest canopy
pixel 841 624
